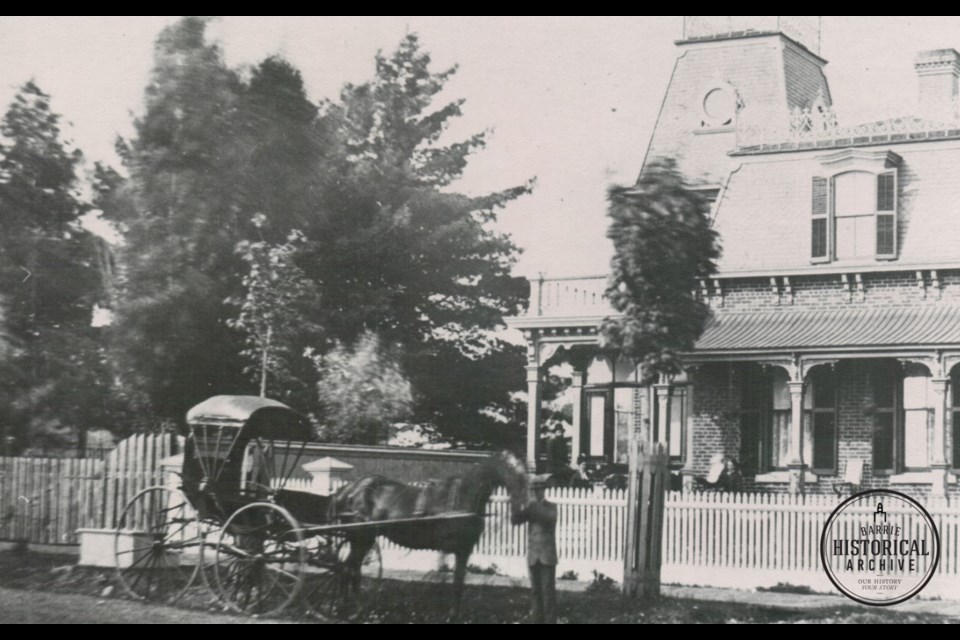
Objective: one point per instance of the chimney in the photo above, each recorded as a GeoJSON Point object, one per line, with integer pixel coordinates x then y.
{"type": "Point", "coordinates": [938, 71]}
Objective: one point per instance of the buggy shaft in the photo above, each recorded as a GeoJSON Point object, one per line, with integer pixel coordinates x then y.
{"type": "Point", "coordinates": [378, 524]}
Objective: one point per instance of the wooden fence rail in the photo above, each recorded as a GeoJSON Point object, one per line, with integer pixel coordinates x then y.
{"type": "Point", "coordinates": [45, 500]}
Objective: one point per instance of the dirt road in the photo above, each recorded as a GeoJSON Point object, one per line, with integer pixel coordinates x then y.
{"type": "Point", "coordinates": [23, 607]}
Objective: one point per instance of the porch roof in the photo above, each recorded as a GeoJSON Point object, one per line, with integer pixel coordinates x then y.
{"type": "Point", "coordinates": [879, 327]}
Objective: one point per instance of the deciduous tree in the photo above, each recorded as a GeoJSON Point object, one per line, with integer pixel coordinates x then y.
{"type": "Point", "coordinates": [663, 246]}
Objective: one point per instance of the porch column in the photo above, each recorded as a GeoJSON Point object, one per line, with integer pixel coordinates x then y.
{"type": "Point", "coordinates": [688, 473]}
{"type": "Point", "coordinates": [533, 415]}
{"type": "Point", "coordinates": [796, 464]}
{"type": "Point", "coordinates": [663, 410]}
{"type": "Point", "coordinates": [938, 457]}
{"type": "Point", "coordinates": [577, 417]}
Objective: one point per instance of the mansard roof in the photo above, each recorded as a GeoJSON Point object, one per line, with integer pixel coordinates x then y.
{"type": "Point", "coordinates": [763, 211]}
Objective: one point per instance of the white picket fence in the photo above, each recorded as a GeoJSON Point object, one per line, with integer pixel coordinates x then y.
{"type": "Point", "coordinates": [591, 525]}
{"type": "Point", "coordinates": [742, 541]}
{"type": "Point", "coordinates": [297, 484]}
{"type": "Point", "coordinates": [709, 539]}
{"type": "Point", "coordinates": [760, 540]}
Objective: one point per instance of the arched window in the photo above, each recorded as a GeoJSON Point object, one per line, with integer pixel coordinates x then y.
{"type": "Point", "coordinates": [854, 207]}
{"type": "Point", "coordinates": [855, 215]}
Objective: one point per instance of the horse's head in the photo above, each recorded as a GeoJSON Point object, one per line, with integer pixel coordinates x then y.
{"type": "Point", "coordinates": [506, 470]}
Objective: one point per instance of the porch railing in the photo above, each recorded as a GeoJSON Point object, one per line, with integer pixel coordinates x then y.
{"type": "Point", "coordinates": [568, 297]}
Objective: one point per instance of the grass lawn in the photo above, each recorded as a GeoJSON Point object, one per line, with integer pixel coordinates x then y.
{"type": "Point", "coordinates": [426, 602]}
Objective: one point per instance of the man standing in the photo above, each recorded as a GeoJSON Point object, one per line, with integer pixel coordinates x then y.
{"type": "Point", "coordinates": [541, 516]}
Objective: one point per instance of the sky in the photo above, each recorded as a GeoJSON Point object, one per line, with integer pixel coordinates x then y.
{"type": "Point", "coordinates": [570, 101]}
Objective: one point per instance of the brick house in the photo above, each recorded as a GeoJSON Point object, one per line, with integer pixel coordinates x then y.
{"type": "Point", "coordinates": [834, 341]}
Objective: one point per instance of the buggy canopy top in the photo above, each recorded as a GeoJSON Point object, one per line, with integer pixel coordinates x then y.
{"type": "Point", "coordinates": [254, 416]}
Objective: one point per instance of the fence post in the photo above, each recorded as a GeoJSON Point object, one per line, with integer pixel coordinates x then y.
{"type": "Point", "coordinates": [645, 505]}
{"type": "Point", "coordinates": [328, 474]}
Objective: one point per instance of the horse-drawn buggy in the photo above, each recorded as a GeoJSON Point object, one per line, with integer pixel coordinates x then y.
{"type": "Point", "coordinates": [234, 526]}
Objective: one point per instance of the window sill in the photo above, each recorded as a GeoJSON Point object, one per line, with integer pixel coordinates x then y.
{"type": "Point", "coordinates": [853, 263]}
{"type": "Point", "coordinates": [783, 477]}
{"type": "Point", "coordinates": [718, 129]}
{"type": "Point", "coordinates": [918, 477]}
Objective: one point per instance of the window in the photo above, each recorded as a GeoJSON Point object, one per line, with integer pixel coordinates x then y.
{"type": "Point", "coordinates": [754, 403]}
{"type": "Point", "coordinates": [955, 414]}
{"type": "Point", "coordinates": [599, 380]}
{"type": "Point", "coordinates": [608, 413]}
{"type": "Point", "coordinates": [820, 420]}
{"type": "Point", "coordinates": [597, 403]}
{"type": "Point", "coordinates": [903, 418]}
{"type": "Point", "coordinates": [719, 108]}
{"type": "Point", "coordinates": [623, 423]}
{"type": "Point", "coordinates": [766, 420]}
{"type": "Point", "coordinates": [674, 436]}
{"type": "Point", "coordinates": [854, 216]}
{"type": "Point", "coordinates": [780, 421]}
{"type": "Point", "coordinates": [917, 417]}
{"type": "Point", "coordinates": [885, 409]}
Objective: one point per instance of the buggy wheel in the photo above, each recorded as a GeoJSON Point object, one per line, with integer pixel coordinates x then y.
{"type": "Point", "coordinates": [157, 545]}
{"type": "Point", "coordinates": [259, 560]}
{"type": "Point", "coordinates": [342, 586]}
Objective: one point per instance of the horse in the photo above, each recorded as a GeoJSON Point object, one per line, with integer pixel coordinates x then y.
{"type": "Point", "coordinates": [377, 498]}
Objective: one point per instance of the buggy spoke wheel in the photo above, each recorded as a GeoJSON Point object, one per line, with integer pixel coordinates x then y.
{"type": "Point", "coordinates": [258, 560]}
{"type": "Point", "coordinates": [341, 586]}
{"type": "Point", "coordinates": [157, 546]}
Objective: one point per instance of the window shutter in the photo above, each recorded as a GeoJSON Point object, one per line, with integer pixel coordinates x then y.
{"type": "Point", "coordinates": [884, 417]}
{"type": "Point", "coordinates": [819, 231]}
{"type": "Point", "coordinates": [887, 216]}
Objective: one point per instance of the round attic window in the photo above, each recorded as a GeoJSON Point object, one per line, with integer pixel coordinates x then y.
{"type": "Point", "coordinates": [719, 107]}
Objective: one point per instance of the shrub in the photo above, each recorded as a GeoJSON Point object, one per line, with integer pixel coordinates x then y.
{"type": "Point", "coordinates": [601, 583]}
{"type": "Point", "coordinates": [786, 587]}
{"type": "Point", "coordinates": [492, 570]}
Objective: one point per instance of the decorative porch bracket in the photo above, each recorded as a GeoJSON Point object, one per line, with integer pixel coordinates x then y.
{"type": "Point", "coordinates": [543, 345]}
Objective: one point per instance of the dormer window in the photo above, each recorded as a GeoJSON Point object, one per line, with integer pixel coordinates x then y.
{"type": "Point", "coordinates": [718, 110]}
{"type": "Point", "coordinates": [854, 209]}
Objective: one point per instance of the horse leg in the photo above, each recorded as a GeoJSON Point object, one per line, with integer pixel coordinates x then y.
{"type": "Point", "coordinates": [459, 575]}
{"type": "Point", "coordinates": [359, 548]}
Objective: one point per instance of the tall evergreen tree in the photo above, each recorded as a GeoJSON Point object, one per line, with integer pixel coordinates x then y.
{"type": "Point", "coordinates": [210, 153]}
{"type": "Point", "coordinates": [52, 375]}
{"type": "Point", "coordinates": [182, 222]}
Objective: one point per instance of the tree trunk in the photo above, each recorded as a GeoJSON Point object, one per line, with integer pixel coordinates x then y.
{"type": "Point", "coordinates": [263, 364]}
